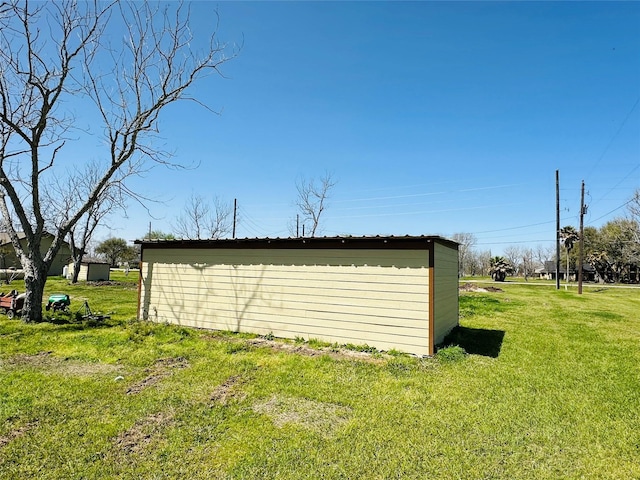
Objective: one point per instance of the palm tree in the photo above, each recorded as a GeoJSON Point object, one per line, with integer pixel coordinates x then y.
{"type": "Point", "coordinates": [568, 236]}
{"type": "Point", "coordinates": [500, 268]}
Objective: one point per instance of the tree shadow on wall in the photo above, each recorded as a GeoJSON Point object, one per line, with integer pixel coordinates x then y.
{"type": "Point", "coordinates": [476, 341]}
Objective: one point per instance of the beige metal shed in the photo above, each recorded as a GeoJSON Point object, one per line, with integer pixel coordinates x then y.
{"type": "Point", "coordinates": [91, 271]}
{"type": "Point", "coordinates": [387, 292]}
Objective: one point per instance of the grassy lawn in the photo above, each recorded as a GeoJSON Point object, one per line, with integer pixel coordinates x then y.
{"type": "Point", "coordinates": [549, 389]}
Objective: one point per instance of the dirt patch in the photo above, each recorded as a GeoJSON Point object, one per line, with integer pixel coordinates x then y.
{"type": "Point", "coordinates": [318, 416]}
{"type": "Point", "coordinates": [472, 287]}
{"type": "Point", "coordinates": [333, 352]}
{"type": "Point", "coordinates": [143, 431]}
{"type": "Point", "coordinates": [161, 369]}
{"type": "Point", "coordinates": [16, 432]}
{"type": "Point", "coordinates": [40, 359]}
{"type": "Point", "coordinates": [111, 283]}
{"type": "Point", "coordinates": [228, 391]}
{"type": "Point", "coordinates": [63, 366]}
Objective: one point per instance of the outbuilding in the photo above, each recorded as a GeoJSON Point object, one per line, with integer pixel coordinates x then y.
{"type": "Point", "coordinates": [91, 270]}
{"type": "Point", "coordinates": [9, 258]}
{"type": "Point", "coordinates": [385, 292]}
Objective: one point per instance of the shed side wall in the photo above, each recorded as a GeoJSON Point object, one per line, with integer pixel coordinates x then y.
{"type": "Point", "coordinates": [97, 271]}
{"type": "Point", "coordinates": [445, 291]}
{"type": "Point", "coordinates": [379, 298]}
{"type": "Point", "coordinates": [83, 274]}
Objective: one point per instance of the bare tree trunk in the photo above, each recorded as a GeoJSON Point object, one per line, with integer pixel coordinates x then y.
{"type": "Point", "coordinates": [77, 263]}
{"type": "Point", "coordinates": [76, 255]}
{"type": "Point", "coordinates": [35, 276]}
{"type": "Point", "coordinates": [152, 68]}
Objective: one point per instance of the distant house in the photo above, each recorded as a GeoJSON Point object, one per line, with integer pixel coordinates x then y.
{"type": "Point", "coordinates": [8, 258]}
{"type": "Point", "coordinates": [91, 270]}
{"type": "Point", "coordinates": [549, 272]}
{"type": "Point", "coordinates": [387, 292]}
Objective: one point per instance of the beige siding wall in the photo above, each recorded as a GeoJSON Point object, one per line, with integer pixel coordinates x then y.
{"type": "Point", "coordinates": [379, 298]}
{"type": "Point", "coordinates": [445, 291]}
{"type": "Point", "coordinates": [82, 274]}
{"type": "Point", "coordinates": [93, 272]}
{"type": "Point", "coordinates": [59, 261]}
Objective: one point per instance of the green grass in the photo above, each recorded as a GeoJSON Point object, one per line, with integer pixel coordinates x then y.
{"type": "Point", "coordinates": [537, 383]}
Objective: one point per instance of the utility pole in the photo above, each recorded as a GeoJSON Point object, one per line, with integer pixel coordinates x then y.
{"type": "Point", "coordinates": [297, 225]}
{"type": "Point", "coordinates": [235, 209]}
{"type": "Point", "coordinates": [583, 210]}
{"type": "Point", "coordinates": [558, 231]}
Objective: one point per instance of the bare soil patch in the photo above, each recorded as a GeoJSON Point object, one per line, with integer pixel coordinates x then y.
{"type": "Point", "coordinates": [143, 431]}
{"type": "Point", "coordinates": [229, 390]}
{"type": "Point", "coordinates": [47, 361]}
{"type": "Point", "coordinates": [161, 369]}
{"type": "Point", "coordinates": [16, 432]}
{"type": "Point", "coordinates": [333, 352]}
{"type": "Point", "coordinates": [111, 283]}
{"type": "Point", "coordinates": [472, 287]}
{"type": "Point", "coordinates": [321, 417]}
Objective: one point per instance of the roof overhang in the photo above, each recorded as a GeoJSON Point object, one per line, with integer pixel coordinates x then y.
{"type": "Point", "coordinates": [408, 242]}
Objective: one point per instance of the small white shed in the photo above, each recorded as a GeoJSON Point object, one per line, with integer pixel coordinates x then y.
{"type": "Point", "coordinates": [387, 292]}
{"type": "Point", "coordinates": [91, 270]}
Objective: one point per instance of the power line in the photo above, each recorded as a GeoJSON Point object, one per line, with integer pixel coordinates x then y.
{"type": "Point", "coordinates": [515, 228]}
{"type": "Point", "coordinates": [422, 212]}
{"type": "Point", "coordinates": [615, 135]}
{"type": "Point", "coordinates": [618, 184]}
{"type": "Point", "coordinates": [426, 194]}
{"type": "Point", "coordinates": [609, 213]}
{"type": "Point", "coordinates": [519, 242]}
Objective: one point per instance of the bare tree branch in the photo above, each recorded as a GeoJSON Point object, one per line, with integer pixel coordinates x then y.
{"type": "Point", "coordinates": [53, 54]}
{"type": "Point", "coordinates": [200, 221]}
{"type": "Point", "coordinates": [312, 198]}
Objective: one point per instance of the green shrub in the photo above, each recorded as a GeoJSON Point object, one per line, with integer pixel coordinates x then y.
{"type": "Point", "coordinates": [450, 354]}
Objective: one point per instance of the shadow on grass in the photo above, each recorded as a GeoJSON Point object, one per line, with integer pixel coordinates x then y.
{"type": "Point", "coordinates": [476, 341]}
{"type": "Point", "coordinates": [73, 322]}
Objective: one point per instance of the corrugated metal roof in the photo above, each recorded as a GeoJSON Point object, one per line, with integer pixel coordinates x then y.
{"type": "Point", "coordinates": [374, 242]}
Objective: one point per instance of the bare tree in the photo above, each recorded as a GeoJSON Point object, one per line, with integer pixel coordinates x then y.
{"type": "Point", "coordinates": [56, 58]}
{"type": "Point", "coordinates": [312, 199]}
{"type": "Point", "coordinates": [528, 265]}
{"type": "Point", "coordinates": [483, 261]}
{"type": "Point", "coordinates": [544, 254]}
{"type": "Point", "coordinates": [199, 220]}
{"type": "Point", "coordinates": [513, 254]}
{"type": "Point", "coordinates": [65, 195]}
{"type": "Point", "coordinates": [466, 242]}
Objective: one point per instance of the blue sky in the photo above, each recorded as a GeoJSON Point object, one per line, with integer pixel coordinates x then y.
{"type": "Point", "coordinates": [433, 117]}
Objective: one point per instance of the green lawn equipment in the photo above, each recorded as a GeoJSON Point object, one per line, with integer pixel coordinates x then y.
{"type": "Point", "coordinates": [58, 302]}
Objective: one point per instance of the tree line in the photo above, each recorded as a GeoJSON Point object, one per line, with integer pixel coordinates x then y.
{"type": "Point", "coordinates": [612, 250]}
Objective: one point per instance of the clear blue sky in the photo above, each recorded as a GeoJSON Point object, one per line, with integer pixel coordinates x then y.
{"type": "Point", "coordinates": [434, 117]}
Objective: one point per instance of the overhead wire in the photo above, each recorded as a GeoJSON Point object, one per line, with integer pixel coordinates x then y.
{"type": "Point", "coordinates": [610, 212]}
{"type": "Point", "coordinates": [425, 194]}
{"type": "Point", "coordinates": [613, 138]}
{"type": "Point", "coordinates": [259, 227]}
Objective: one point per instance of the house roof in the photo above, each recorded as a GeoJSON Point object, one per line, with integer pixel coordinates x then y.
{"type": "Point", "coordinates": [550, 267]}
{"type": "Point", "coordinates": [6, 239]}
{"type": "Point", "coordinates": [92, 261]}
{"type": "Point", "coordinates": [407, 242]}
